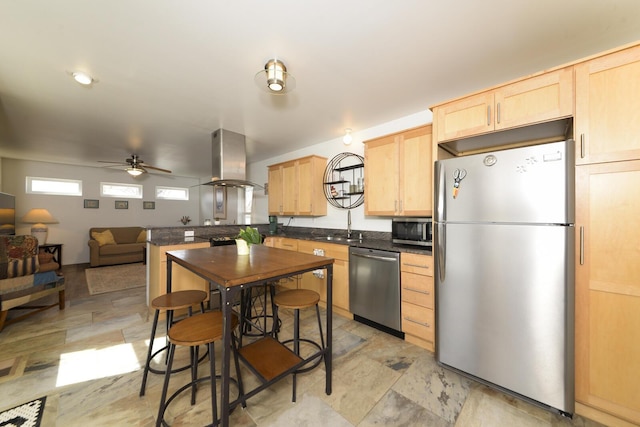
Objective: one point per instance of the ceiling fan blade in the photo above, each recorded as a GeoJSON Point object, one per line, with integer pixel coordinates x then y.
{"type": "Point", "coordinates": [115, 163]}
{"type": "Point", "coordinates": [144, 165]}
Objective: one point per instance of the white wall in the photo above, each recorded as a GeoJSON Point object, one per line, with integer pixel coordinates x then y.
{"type": "Point", "coordinates": [74, 221]}
{"type": "Point", "coordinates": [335, 218]}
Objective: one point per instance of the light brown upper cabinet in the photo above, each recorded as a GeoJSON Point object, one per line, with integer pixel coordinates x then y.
{"type": "Point", "coordinates": [398, 174]}
{"type": "Point", "coordinates": [607, 122]}
{"type": "Point", "coordinates": [295, 187]}
{"type": "Point", "coordinates": [535, 99]}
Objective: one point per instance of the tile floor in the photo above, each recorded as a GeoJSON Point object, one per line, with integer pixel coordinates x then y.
{"type": "Point", "coordinates": [87, 361]}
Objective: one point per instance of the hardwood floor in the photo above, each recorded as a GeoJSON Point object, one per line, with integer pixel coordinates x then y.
{"type": "Point", "coordinates": [87, 360]}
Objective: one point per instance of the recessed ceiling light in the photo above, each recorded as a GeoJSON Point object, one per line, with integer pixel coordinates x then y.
{"type": "Point", "coordinates": [82, 78]}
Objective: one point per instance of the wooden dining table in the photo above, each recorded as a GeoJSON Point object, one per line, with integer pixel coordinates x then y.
{"type": "Point", "coordinates": [232, 274]}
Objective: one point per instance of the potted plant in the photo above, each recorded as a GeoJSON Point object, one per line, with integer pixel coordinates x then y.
{"type": "Point", "coordinates": [246, 238]}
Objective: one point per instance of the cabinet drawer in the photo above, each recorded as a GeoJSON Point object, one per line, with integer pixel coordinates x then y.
{"type": "Point", "coordinates": [415, 263]}
{"type": "Point", "coordinates": [331, 250]}
{"type": "Point", "coordinates": [418, 321]}
{"type": "Point", "coordinates": [417, 289]}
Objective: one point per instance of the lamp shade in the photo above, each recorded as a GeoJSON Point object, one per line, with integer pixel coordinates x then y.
{"type": "Point", "coordinates": [39, 217]}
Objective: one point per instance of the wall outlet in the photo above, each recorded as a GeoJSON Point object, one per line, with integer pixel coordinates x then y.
{"type": "Point", "coordinates": [189, 233]}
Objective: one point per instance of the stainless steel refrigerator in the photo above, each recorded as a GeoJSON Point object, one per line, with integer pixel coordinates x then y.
{"type": "Point", "coordinates": [504, 262]}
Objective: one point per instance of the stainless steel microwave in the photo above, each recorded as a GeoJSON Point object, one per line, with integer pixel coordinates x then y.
{"type": "Point", "coordinates": [412, 231]}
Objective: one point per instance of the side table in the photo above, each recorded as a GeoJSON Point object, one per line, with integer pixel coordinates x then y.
{"type": "Point", "coordinates": [55, 249]}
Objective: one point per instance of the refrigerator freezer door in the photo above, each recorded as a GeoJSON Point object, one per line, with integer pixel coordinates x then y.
{"type": "Point", "coordinates": [522, 185]}
{"type": "Point", "coordinates": [504, 309]}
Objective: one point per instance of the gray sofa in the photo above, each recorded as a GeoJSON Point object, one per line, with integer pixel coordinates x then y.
{"type": "Point", "coordinates": [128, 246]}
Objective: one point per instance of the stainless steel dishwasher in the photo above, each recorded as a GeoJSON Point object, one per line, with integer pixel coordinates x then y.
{"type": "Point", "coordinates": [374, 288]}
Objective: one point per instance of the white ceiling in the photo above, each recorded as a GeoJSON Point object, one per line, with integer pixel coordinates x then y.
{"type": "Point", "coordinates": [172, 71]}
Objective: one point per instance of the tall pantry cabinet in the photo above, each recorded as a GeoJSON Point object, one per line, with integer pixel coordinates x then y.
{"type": "Point", "coordinates": [607, 132]}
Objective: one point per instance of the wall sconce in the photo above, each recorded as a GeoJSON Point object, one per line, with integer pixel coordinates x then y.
{"type": "Point", "coordinates": [279, 80]}
{"type": "Point", "coordinates": [39, 217]}
{"type": "Point", "coordinates": [347, 138]}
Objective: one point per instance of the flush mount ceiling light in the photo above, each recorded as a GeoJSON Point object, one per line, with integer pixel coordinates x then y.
{"type": "Point", "coordinates": [275, 78]}
{"type": "Point", "coordinates": [347, 138]}
{"type": "Point", "coordinates": [135, 171]}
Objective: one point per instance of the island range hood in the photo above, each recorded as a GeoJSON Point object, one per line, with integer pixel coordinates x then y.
{"type": "Point", "coordinates": [229, 160]}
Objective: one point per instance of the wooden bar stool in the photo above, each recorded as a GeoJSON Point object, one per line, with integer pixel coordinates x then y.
{"type": "Point", "coordinates": [169, 302]}
{"type": "Point", "coordinates": [201, 329]}
{"type": "Point", "coordinates": [297, 299]}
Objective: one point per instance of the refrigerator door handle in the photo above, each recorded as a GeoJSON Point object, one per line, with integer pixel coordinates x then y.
{"type": "Point", "coordinates": [440, 192]}
{"type": "Point", "coordinates": [441, 251]}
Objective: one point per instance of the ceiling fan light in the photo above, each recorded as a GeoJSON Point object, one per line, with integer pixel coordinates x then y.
{"type": "Point", "coordinates": [134, 171]}
{"type": "Point", "coordinates": [276, 75]}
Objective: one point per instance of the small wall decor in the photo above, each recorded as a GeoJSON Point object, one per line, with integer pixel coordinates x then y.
{"type": "Point", "coordinates": [91, 204]}
{"type": "Point", "coordinates": [148, 205]}
{"type": "Point", "coordinates": [220, 202]}
{"type": "Point", "coordinates": [122, 204]}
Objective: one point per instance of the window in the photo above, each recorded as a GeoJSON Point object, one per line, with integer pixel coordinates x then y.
{"type": "Point", "coordinates": [114, 189]}
{"type": "Point", "coordinates": [55, 186]}
{"type": "Point", "coordinates": [172, 193]}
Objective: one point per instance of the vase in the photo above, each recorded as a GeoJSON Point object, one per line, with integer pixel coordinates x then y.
{"type": "Point", "coordinates": [242, 246]}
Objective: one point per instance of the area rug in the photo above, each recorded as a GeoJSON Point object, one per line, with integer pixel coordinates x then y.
{"type": "Point", "coordinates": [115, 278]}
{"type": "Point", "coordinates": [25, 415]}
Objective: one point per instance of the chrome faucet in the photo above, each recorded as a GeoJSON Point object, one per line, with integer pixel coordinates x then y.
{"type": "Point", "coordinates": [349, 224]}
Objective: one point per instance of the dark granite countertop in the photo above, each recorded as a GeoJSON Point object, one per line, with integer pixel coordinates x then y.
{"type": "Point", "coordinates": [370, 239]}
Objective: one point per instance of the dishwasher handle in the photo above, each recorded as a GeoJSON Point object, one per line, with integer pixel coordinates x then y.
{"type": "Point", "coordinates": [376, 257]}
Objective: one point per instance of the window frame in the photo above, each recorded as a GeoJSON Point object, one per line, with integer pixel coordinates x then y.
{"type": "Point", "coordinates": [29, 181]}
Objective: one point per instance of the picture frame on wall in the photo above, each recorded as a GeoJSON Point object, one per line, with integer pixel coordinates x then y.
{"type": "Point", "coordinates": [91, 204]}
{"type": "Point", "coordinates": [122, 204]}
{"type": "Point", "coordinates": [220, 202]}
{"type": "Point", "coordinates": [148, 205]}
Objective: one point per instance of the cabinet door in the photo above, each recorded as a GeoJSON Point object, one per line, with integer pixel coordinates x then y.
{"type": "Point", "coordinates": [469, 116]}
{"type": "Point", "coordinates": [608, 288]}
{"type": "Point", "coordinates": [607, 119]}
{"type": "Point", "coordinates": [275, 191]}
{"type": "Point", "coordinates": [536, 99]}
{"type": "Point", "coordinates": [415, 169]}
{"type": "Point", "coordinates": [289, 189]}
{"type": "Point", "coordinates": [381, 177]}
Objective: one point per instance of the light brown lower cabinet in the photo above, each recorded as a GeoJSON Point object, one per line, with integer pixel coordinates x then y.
{"type": "Point", "coordinates": [608, 292]}
{"type": "Point", "coordinates": [417, 307]}
{"type": "Point", "coordinates": [181, 279]}
{"type": "Point", "coordinates": [340, 274]}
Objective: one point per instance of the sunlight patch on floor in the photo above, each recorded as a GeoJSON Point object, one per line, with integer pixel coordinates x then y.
{"type": "Point", "coordinates": [92, 364]}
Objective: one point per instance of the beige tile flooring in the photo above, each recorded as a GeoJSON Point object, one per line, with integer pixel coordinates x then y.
{"type": "Point", "coordinates": [87, 360]}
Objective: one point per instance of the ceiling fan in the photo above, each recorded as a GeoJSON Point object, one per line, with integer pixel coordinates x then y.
{"type": "Point", "coordinates": [136, 166]}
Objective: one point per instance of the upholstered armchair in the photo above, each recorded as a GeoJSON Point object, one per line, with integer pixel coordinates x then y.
{"type": "Point", "coordinates": [26, 276]}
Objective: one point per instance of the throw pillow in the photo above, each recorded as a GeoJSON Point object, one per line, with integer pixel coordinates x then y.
{"type": "Point", "coordinates": [142, 237]}
{"type": "Point", "coordinates": [103, 238]}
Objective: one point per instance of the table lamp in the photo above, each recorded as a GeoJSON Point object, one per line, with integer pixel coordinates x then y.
{"type": "Point", "coordinates": [39, 217]}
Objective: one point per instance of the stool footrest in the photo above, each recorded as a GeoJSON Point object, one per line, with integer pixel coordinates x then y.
{"type": "Point", "coordinates": [268, 358]}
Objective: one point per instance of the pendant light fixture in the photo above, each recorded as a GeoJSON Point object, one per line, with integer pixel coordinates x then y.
{"type": "Point", "coordinates": [274, 78]}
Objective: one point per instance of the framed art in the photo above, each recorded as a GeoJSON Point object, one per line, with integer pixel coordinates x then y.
{"type": "Point", "coordinates": [148, 205]}
{"type": "Point", "coordinates": [122, 204]}
{"type": "Point", "coordinates": [91, 204]}
{"type": "Point", "coordinates": [220, 202]}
